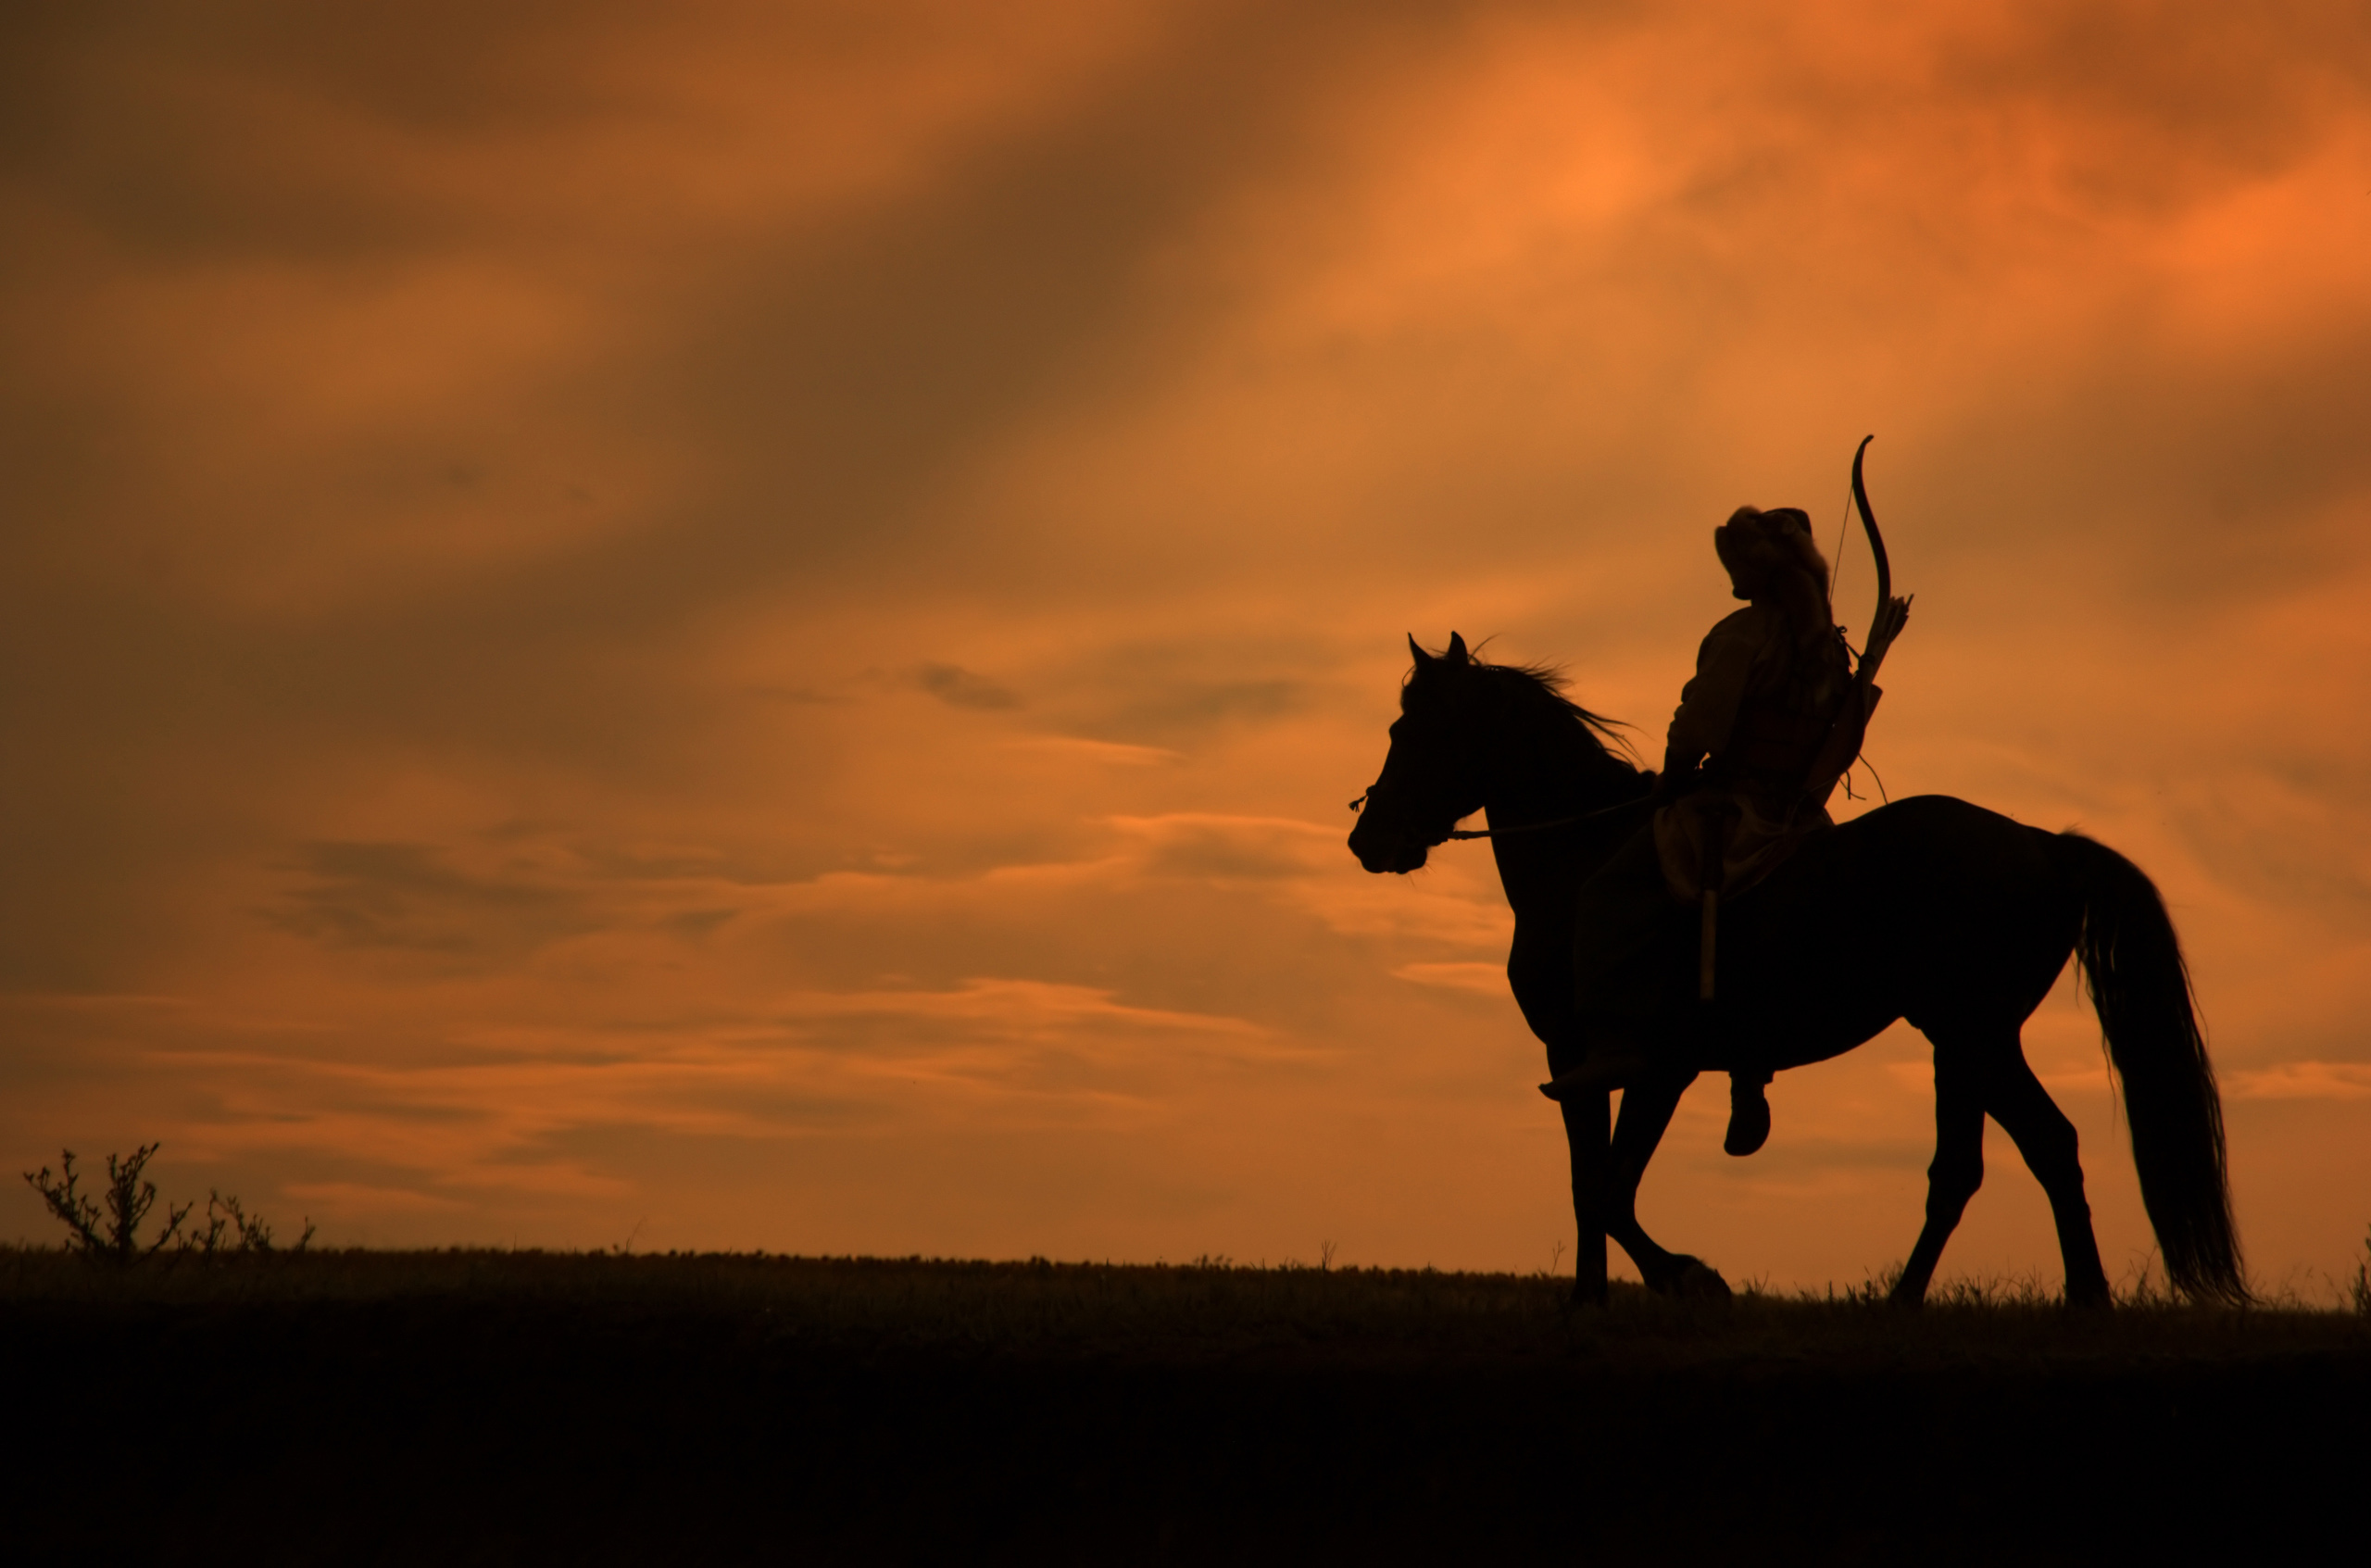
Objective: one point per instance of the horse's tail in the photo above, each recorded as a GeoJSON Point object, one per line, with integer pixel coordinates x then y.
{"type": "Point", "coordinates": [2139, 986]}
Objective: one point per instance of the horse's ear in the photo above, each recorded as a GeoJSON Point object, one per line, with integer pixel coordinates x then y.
{"type": "Point", "coordinates": [1417, 649]}
{"type": "Point", "coordinates": [1457, 654]}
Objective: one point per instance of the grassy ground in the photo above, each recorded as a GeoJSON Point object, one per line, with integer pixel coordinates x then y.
{"type": "Point", "coordinates": [499, 1407]}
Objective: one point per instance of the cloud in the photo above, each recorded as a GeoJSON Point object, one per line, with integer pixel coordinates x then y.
{"type": "Point", "coordinates": [347, 1200]}
{"type": "Point", "coordinates": [1488, 978]}
{"type": "Point", "coordinates": [398, 896]}
{"type": "Point", "coordinates": [1112, 753]}
{"type": "Point", "coordinates": [958, 687]}
{"type": "Point", "coordinates": [1000, 1009]}
{"type": "Point", "coordinates": [2302, 1080]}
{"type": "Point", "coordinates": [1208, 845]}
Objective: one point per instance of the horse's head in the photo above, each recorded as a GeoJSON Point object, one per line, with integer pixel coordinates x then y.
{"type": "Point", "coordinates": [1431, 775]}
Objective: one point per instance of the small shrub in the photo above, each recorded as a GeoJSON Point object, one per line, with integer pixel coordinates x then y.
{"type": "Point", "coordinates": [114, 1233]}
{"type": "Point", "coordinates": [230, 1228]}
{"type": "Point", "coordinates": [129, 1199]}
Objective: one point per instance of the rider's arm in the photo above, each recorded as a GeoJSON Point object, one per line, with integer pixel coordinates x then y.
{"type": "Point", "coordinates": [1708, 704]}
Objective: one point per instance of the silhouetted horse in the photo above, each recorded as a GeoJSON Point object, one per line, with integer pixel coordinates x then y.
{"type": "Point", "coordinates": [1930, 909]}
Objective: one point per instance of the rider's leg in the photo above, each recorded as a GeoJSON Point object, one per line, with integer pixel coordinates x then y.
{"type": "Point", "coordinates": [1749, 1113]}
{"type": "Point", "coordinates": [1623, 938]}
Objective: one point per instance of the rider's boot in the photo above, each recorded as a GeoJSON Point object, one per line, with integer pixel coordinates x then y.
{"type": "Point", "coordinates": [1615, 1064]}
{"type": "Point", "coordinates": [1748, 1114]}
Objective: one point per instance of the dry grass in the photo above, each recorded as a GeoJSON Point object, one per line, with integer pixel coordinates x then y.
{"type": "Point", "coordinates": [2359, 1288]}
{"type": "Point", "coordinates": [1211, 1308]}
{"type": "Point", "coordinates": [513, 1406]}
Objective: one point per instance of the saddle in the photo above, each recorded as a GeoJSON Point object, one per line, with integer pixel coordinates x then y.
{"type": "Point", "coordinates": [1722, 840]}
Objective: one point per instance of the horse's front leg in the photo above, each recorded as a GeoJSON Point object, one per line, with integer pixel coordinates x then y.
{"type": "Point", "coordinates": [1646, 1108]}
{"type": "Point", "coordinates": [1588, 1121]}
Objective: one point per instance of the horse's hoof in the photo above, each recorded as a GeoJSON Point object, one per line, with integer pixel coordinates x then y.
{"type": "Point", "coordinates": [1701, 1282]}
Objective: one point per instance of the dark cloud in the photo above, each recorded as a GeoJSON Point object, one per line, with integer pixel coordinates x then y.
{"type": "Point", "coordinates": [959, 688]}
{"type": "Point", "coordinates": [696, 923]}
{"type": "Point", "coordinates": [401, 897]}
{"type": "Point", "coordinates": [2147, 104]}
{"type": "Point", "coordinates": [1188, 709]}
{"type": "Point", "coordinates": [1177, 693]}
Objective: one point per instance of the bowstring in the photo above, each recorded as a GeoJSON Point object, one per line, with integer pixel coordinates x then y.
{"type": "Point", "coordinates": [1835, 578]}
{"type": "Point", "coordinates": [1836, 572]}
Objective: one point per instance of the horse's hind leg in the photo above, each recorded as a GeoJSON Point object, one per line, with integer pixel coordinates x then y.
{"type": "Point", "coordinates": [1957, 1171]}
{"type": "Point", "coordinates": [2046, 1138]}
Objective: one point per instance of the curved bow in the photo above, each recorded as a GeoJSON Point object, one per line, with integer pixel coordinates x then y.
{"type": "Point", "coordinates": [1851, 724]}
{"type": "Point", "coordinates": [1891, 613]}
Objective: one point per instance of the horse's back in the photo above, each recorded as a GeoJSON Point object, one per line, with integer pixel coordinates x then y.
{"type": "Point", "coordinates": [1961, 880]}
{"type": "Point", "coordinates": [1930, 908]}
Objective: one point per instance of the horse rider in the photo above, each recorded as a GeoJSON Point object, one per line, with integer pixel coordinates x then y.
{"type": "Point", "coordinates": [1736, 797]}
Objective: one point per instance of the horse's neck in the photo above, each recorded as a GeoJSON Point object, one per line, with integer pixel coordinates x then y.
{"type": "Point", "coordinates": [1543, 777]}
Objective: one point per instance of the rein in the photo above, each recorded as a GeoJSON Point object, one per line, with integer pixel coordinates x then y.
{"type": "Point", "coordinates": [1557, 823]}
{"type": "Point", "coordinates": [1525, 827]}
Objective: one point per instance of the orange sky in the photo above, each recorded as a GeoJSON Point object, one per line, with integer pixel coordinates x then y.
{"type": "Point", "coordinates": [748, 626]}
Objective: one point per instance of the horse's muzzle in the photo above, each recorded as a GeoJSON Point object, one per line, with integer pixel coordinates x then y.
{"type": "Point", "coordinates": [1398, 853]}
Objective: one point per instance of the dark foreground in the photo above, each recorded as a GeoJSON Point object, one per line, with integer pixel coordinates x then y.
{"type": "Point", "coordinates": [518, 1407]}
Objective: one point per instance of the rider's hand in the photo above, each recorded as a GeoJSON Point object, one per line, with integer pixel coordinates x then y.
{"type": "Point", "coordinates": [1680, 775]}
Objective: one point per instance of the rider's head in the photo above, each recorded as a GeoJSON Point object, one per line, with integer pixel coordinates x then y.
{"type": "Point", "coordinates": [1771, 555]}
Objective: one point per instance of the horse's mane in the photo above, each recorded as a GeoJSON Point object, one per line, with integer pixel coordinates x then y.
{"type": "Point", "coordinates": [1546, 683]}
{"type": "Point", "coordinates": [1551, 682]}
